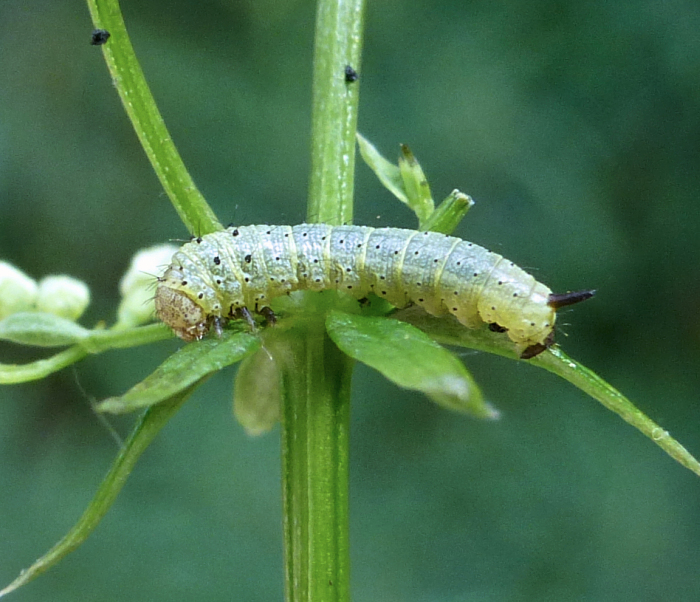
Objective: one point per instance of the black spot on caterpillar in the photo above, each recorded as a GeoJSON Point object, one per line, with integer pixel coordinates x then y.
{"type": "Point", "coordinates": [350, 74]}
{"type": "Point", "coordinates": [223, 274]}
{"type": "Point", "coordinates": [99, 37]}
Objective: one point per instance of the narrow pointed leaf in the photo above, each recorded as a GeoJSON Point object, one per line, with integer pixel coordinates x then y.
{"type": "Point", "coordinates": [449, 213]}
{"type": "Point", "coordinates": [388, 173]}
{"type": "Point", "coordinates": [256, 392]}
{"type": "Point", "coordinates": [415, 184]}
{"type": "Point", "coordinates": [556, 361]}
{"type": "Point", "coordinates": [448, 331]}
{"type": "Point", "coordinates": [182, 369]}
{"type": "Point", "coordinates": [41, 330]}
{"type": "Point", "coordinates": [409, 358]}
{"type": "Point", "coordinates": [145, 431]}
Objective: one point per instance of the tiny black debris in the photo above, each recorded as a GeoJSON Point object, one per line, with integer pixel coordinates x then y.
{"type": "Point", "coordinates": [99, 37]}
{"type": "Point", "coordinates": [350, 74]}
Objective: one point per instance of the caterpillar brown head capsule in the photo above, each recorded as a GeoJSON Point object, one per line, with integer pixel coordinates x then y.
{"type": "Point", "coordinates": [221, 275]}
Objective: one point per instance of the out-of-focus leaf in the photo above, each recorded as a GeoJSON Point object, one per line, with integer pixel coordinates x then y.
{"type": "Point", "coordinates": [410, 359]}
{"type": "Point", "coordinates": [182, 369]}
{"type": "Point", "coordinates": [256, 393]}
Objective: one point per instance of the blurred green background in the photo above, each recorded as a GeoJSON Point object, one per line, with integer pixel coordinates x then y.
{"type": "Point", "coordinates": [575, 127]}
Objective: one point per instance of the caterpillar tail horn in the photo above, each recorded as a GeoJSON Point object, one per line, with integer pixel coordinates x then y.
{"type": "Point", "coordinates": [563, 299]}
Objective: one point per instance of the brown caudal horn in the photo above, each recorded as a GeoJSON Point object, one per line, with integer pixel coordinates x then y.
{"type": "Point", "coordinates": [563, 299]}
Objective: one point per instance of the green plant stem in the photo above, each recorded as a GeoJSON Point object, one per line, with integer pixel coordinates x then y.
{"type": "Point", "coordinates": [123, 338]}
{"type": "Point", "coordinates": [315, 431]}
{"type": "Point", "coordinates": [315, 375]}
{"type": "Point", "coordinates": [11, 374]}
{"type": "Point", "coordinates": [339, 25]}
{"type": "Point", "coordinates": [147, 121]}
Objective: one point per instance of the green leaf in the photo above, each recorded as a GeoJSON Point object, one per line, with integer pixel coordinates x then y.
{"type": "Point", "coordinates": [449, 213]}
{"type": "Point", "coordinates": [416, 185]}
{"type": "Point", "coordinates": [145, 431]}
{"type": "Point", "coordinates": [256, 392]}
{"type": "Point", "coordinates": [557, 362]}
{"type": "Point", "coordinates": [448, 331]}
{"type": "Point", "coordinates": [409, 358]}
{"type": "Point", "coordinates": [388, 173]}
{"type": "Point", "coordinates": [182, 369]}
{"type": "Point", "coordinates": [41, 330]}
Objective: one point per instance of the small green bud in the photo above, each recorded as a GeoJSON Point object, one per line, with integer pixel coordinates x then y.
{"type": "Point", "coordinates": [137, 286]}
{"type": "Point", "coordinates": [17, 290]}
{"type": "Point", "coordinates": [63, 296]}
{"type": "Point", "coordinates": [449, 213]}
{"type": "Point", "coordinates": [415, 184]}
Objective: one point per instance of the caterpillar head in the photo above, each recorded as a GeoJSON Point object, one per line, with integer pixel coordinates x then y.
{"type": "Point", "coordinates": [187, 319]}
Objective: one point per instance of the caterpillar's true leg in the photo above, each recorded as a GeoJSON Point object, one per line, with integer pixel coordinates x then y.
{"type": "Point", "coordinates": [217, 324]}
{"type": "Point", "coordinates": [269, 315]}
{"type": "Point", "coordinates": [537, 348]}
{"type": "Point", "coordinates": [242, 313]}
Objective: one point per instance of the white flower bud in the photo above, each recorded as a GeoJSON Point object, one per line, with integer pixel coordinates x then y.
{"type": "Point", "coordinates": [17, 290]}
{"type": "Point", "coordinates": [63, 296]}
{"type": "Point", "coordinates": [137, 286]}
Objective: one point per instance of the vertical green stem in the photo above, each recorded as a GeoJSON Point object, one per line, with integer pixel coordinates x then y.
{"type": "Point", "coordinates": [339, 25]}
{"type": "Point", "coordinates": [316, 409]}
{"type": "Point", "coordinates": [315, 374]}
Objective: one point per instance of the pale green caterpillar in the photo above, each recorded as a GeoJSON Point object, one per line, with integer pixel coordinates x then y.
{"type": "Point", "coordinates": [222, 275]}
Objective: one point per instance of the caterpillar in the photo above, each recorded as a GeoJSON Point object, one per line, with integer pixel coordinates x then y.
{"type": "Point", "coordinates": [222, 275]}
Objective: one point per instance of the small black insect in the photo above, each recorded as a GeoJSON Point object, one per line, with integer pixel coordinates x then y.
{"type": "Point", "coordinates": [350, 74]}
{"type": "Point", "coordinates": [99, 37]}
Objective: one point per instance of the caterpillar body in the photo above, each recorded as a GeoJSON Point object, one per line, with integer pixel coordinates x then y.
{"type": "Point", "coordinates": [221, 275]}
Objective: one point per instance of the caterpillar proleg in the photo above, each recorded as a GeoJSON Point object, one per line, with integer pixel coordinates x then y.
{"type": "Point", "coordinates": [221, 275]}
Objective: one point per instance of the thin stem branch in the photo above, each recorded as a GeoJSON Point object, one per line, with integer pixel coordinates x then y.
{"type": "Point", "coordinates": [147, 121]}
